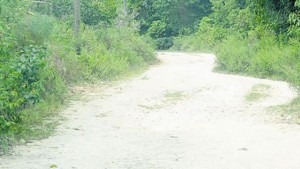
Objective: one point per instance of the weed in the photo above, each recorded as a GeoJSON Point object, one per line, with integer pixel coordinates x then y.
{"type": "Point", "coordinates": [169, 98]}
{"type": "Point", "coordinates": [257, 93]}
{"type": "Point", "coordinates": [290, 111]}
{"type": "Point", "coordinates": [174, 96]}
{"type": "Point", "coordinates": [150, 108]}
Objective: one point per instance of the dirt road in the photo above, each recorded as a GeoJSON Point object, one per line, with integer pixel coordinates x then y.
{"type": "Point", "coordinates": [177, 115]}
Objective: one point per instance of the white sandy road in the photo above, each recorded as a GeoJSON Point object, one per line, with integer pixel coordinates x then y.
{"type": "Point", "coordinates": [177, 115]}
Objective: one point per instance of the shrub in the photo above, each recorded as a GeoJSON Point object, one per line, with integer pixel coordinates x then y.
{"type": "Point", "coordinates": [34, 29]}
{"type": "Point", "coordinates": [33, 73]}
{"type": "Point", "coordinates": [22, 85]}
{"type": "Point", "coordinates": [157, 29]}
{"type": "Point", "coordinates": [20, 81]}
{"type": "Point", "coordinates": [264, 57]}
{"type": "Point", "coordinates": [234, 54]}
{"type": "Point", "coordinates": [164, 43]}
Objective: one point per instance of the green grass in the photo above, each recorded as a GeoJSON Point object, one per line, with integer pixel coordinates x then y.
{"type": "Point", "coordinates": [257, 93]}
{"type": "Point", "coordinates": [169, 98]}
{"type": "Point", "coordinates": [289, 111]}
{"type": "Point", "coordinates": [150, 107]}
{"type": "Point", "coordinates": [37, 122]}
{"type": "Point", "coordinates": [174, 96]}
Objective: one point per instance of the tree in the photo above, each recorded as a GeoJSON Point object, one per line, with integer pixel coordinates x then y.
{"type": "Point", "coordinates": [77, 25]}
{"type": "Point", "coordinates": [164, 19]}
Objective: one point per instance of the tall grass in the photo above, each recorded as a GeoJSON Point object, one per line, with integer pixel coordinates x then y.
{"type": "Point", "coordinates": [266, 58]}
{"type": "Point", "coordinates": [106, 53]}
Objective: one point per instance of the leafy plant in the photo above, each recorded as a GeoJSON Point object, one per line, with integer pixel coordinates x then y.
{"type": "Point", "coordinates": [34, 29]}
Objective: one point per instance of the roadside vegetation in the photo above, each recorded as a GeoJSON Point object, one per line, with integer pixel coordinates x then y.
{"type": "Point", "coordinates": [163, 20]}
{"type": "Point", "coordinates": [253, 37]}
{"type": "Point", "coordinates": [257, 93]}
{"type": "Point", "coordinates": [290, 112]}
{"type": "Point", "coordinates": [38, 60]}
{"type": "Point", "coordinates": [41, 56]}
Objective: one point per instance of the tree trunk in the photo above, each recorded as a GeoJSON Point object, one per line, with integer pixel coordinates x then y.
{"type": "Point", "coordinates": [125, 7]}
{"type": "Point", "coordinates": [77, 26]}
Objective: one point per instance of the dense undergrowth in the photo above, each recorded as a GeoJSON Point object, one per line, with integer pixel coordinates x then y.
{"type": "Point", "coordinates": [258, 38]}
{"type": "Point", "coordinates": [38, 62]}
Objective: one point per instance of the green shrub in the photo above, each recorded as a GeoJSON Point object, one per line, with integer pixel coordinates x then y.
{"type": "Point", "coordinates": [208, 37]}
{"type": "Point", "coordinates": [289, 64]}
{"type": "Point", "coordinates": [106, 52]}
{"type": "Point", "coordinates": [34, 73]}
{"type": "Point", "coordinates": [157, 29]}
{"type": "Point", "coordinates": [164, 43]}
{"type": "Point", "coordinates": [264, 57]}
{"type": "Point", "coordinates": [110, 52]}
{"type": "Point", "coordinates": [20, 82]}
{"type": "Point", "coordinates": [187, 43]}
{"type": "Point", "coordinates": [234, 55]}
{"type": "Point", "coordinates": [34, 29]}
{"type": "Point", "coordinates": [25, 80]}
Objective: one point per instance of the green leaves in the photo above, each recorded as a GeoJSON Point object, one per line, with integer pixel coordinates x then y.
{"type": "Point", "coordinates": [94, 12]}
{"type": "Point", "coordinates": [20, 83]}
{"type": "Point", "coordinates": [163, 19]}
{"type": "Point", "coordinates": [157, 29]}
{"type": "Point", "coordinates": [34, 30]}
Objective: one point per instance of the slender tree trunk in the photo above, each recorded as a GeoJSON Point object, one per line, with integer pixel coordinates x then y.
{"type": "Point", "coordinates": [125, 7]}
{"type": "Point", "coordinates": [77, 26]}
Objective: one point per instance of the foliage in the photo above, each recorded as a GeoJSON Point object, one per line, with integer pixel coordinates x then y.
{"type": "Point", "coordinates": [260, 38]}
{"type": "Point", "coordinates": [34, 29]}
{"type": "Point", "coordinates": [290, 111]}
{"type": "Point", "coordinates": [265, 51]}
{"type": "Point", "coordinates": [157, 29]}
{"type": "Point", "coordinates": [38, 60]}
{"type": "Point", "coordinates": [93, 12]}
{"type": "Point", "coordinates": [164, 43]}
{"type": "Point", "coordinates": [166, 19]}
{"type": "Point", "coordinates": [253, 37]}
{"type": "Point", "coordinates": [21, 85]}
{"type": "Point", "coordinates": [106, 53]}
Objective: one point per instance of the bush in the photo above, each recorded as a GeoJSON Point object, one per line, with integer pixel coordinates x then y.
{"type": "Point", "coordinates": [184, 43]}
{"type": "Point", "coordinates": [157, 29]}
{"type": "Point", "coordinates": [25, 81]}
{"type": "Point", "coordinates": [265, 57]}
{"type": "Point", "coordinates": [110, 52]}
{"type": "Point", "coordinates": [20, 83]}
{"type": "Point", "coordinates": [34, 29]}
{"type": "Point", "coordinates": [233, 58]}
{"type": "Point", "coordinates": [164, 43]}
{"type": "Point", "coordinates": [208, 37]}
{"type": "Point", "coordinates": [34, 73]}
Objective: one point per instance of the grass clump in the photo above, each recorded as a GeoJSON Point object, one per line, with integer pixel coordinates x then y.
{"type": "Point", "coordinates": [174, 96]}
{"type": "Point", "coordinates": [169, 98]}
{"type": "Point", "coordinates": [290, 111]}
{"type": "Point", "coordinates": [257, 93]}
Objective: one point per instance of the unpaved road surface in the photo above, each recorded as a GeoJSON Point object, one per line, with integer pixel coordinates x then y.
{"type": "Point", "coordinates": [177, 115]}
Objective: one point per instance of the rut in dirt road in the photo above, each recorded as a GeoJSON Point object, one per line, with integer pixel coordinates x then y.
{"type": "Point", "coordinates": [177, 115]}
